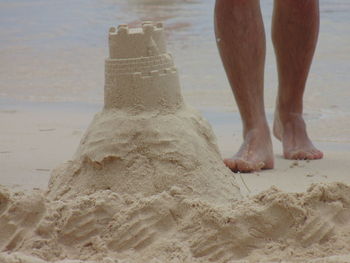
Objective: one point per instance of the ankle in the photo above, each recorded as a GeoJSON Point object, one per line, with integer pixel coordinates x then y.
{"type": "Point", "coordinates": [288, 122]}
{"type": "Point", "coordinates": [258, 129]}
{"type": "Point", "coordinates": [289, 109]}
{"type": "Point", "coordinates": [284, 116]}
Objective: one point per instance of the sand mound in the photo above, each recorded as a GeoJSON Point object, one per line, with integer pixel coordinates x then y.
{"type": "Point", "coordinates": [168, 227]}
{"type": "Point", "coordinates": [147, 154]}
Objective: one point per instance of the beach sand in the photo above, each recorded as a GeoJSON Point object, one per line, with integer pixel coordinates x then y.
{"type": "Point", "coordinates": [52, 134]}
{"type": "Point", "coordinates": [287, 214]}
{"type": "Point", "coordinates": [297, 212]}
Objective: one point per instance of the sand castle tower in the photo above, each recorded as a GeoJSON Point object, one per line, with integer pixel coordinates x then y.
{"type": "Point", "coordinates": [145, 140]}
{"type": "Point", "coordinates": [139, 74]}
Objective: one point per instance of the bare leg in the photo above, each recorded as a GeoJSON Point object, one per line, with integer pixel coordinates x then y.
{"type": "Point", "coordinates": [294, 34]}
{"type": "Point", "coordinates": [240, 37]}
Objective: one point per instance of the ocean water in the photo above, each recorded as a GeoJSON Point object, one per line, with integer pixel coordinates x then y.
{"type": "Point", "coordinates": [54, 51]}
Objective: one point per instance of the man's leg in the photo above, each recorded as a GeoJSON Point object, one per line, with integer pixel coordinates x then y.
{"type": "Point", "coordinates": [294, 34]}
{"type": "Point", "coordinates": [240, 38]}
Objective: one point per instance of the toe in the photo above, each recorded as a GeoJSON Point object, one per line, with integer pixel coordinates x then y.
{"type": "Point", "coordinates": [231, 164]}
{"type": "Point", "coordinates": [311, 156]}
{"type": "Point", "coordinates": [260, 165]}
{"type": "Point", "coordinates": [317, 154]}
{"type": "Point", "coordinates": [304, 154]}
{"type": "Point", "coordinates": [294, 155]}
{"type": "Point", "coordinates": [239, 165]}
{"type": "Point", "coordinates": [244, 166]}
{"type": "Point", "coordinates": [248, 167]}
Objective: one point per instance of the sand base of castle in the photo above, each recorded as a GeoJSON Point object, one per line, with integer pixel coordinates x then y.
{"type": "Point", "coordinates": [145, 154]}
{"type": "Point", "coordinates": [109, 227]}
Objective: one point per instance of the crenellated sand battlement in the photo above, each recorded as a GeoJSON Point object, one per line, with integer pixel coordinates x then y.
{"type": "Point", "coordinates": [143, 64]}
{"type": "Point", "coordinates": [146, 41]}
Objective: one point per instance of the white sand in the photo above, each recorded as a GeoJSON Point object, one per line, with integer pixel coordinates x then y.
{"type": "Point", "coordinates": [148, 185]}
{"type": "Point", "coordinates": [146, 154]}
{"type": "Point", "coordinates": [170, 227]}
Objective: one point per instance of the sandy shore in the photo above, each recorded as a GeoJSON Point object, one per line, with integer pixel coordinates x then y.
{"type": "Point", "coordinates": [286, 213]}
{"type": "Point", "coordinates": [36, 137]}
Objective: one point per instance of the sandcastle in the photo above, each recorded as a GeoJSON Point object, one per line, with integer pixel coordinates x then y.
{"type": "Point", "coordinates": [145, 140]}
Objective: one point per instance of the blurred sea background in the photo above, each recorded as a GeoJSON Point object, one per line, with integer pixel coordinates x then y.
{"type": "Point", "coordinates": [54, 51]}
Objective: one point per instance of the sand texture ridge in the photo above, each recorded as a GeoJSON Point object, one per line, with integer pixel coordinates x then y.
{"type": "Point", "coordinates": [147, 184]}
{"type": "Point", "coordinates": [106, 226]}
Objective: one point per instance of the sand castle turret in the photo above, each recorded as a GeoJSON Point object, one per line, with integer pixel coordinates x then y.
{"type": "Point", "coordinates": [145, 140]}
{"type": "Point", "coordinates": [148, 41]}
{"type": "Point", "coordinates": [139, 73]}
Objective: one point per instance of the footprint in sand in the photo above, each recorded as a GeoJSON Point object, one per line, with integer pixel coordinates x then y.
{"type": "Point", "coordinates": [217, 242]}
{"type": "Point", "coordinates": [216, 238]}
{"type": "Point", "coordinates": [323, 224]}
{"type": "Point", "coordinates": [83, 224]}
{"type": "Point", "coordinates": [316, 230]}
{"type": "Point", "coordinates": [141, 226]}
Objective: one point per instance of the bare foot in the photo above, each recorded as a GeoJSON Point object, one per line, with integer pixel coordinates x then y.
{"type": "Point", "coordinates": [296, 143]}
{"type": "Point", "coordinates": [255, 153]}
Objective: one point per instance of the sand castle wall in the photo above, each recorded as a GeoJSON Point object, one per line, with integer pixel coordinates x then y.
{"type": "Point", "coordinates": [142, 84]}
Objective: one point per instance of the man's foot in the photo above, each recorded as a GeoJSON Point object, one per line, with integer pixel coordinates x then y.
{"type": "Point", "coordinates": [295, 141]}
{"type": "Point", "coordinates": [255, 153]}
